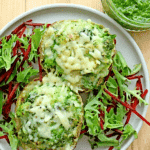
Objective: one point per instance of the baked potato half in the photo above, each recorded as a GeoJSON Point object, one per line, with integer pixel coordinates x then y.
{"type": "Point", "coordinates": [79, 51]}
{"type": "Point", "coordinates": [48, 117]}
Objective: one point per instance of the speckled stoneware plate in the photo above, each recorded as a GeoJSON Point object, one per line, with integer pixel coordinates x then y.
{"type": "Point", "coordinates": [125, 44]}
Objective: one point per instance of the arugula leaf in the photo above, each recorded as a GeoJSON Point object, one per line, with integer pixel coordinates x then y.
{"type": "Point", "coordinates": [136, 69]}
{"type": "Point", "coordinates": [121, 80]}
{"type": "Point", "coordinates": [12, 76]}
{"type": "Point", "coordinates": [95, 144]}
{"type": "Point", "coordinates": [87, 83]}
{"type": "Point", "coordinates": [135, 93]}
{"type": "Point", "coordinates": [24, 41]}
{"type": "Point", "coordinates": [121, 112]}
{"type": "Point", "coordinates": [35, 42]}
{"type": "Point", "coordinates": [13, 141]}
{"type": "Point", "coordinates": [111, 82]}
{"type": "Point", "coordinates": [104, 138]}
{"type": "Point", "coordinates": [92, 118]}
{"type": "Point", "coordinates": [25, 75]}
{"type": "Point", "coordinates": [5, 52]}
{"type": "Point", "coordinates": [115, 120]}
{"type": "Point", "coordinates": [121, 65]}
{"type": "Point", "coordinates": [128, 131]}
{"type": "Point", "coordinates": [10, 129]}
{"type": "Point", "coordinates": [1, 133]}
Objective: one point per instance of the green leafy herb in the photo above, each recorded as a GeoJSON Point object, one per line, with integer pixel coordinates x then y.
{"type": "Point", "coordinates": [5, 52]}
{"type": "Point", "coordinates": [35, 41]}
{"type": "Point", "coordinates": [25, 75]}
{"type": "Point", "coordinates": [10, 129]}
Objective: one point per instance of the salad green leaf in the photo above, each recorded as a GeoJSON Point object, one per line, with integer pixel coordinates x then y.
{"type": "Point", "coordinates": [5, 52]}
{"type": "Point", "coordinates": [128, 131]}
{"type": "Point", "coordinates": [25, 75]}
{"type": "Point", "coordinates": [10, 129]}
{"type": "Point", "coordinates": [35, 42]}
{"type": "Point", "coordinates": [114, 117]}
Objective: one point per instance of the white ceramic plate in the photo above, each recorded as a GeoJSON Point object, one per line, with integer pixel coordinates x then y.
{"type": "Point", "coordinates": [125, 44]}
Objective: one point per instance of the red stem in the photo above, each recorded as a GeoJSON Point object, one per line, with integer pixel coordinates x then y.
{"type": "Point", "coordinates": [12, 93]}
{"type": "Point", "coordinates": [29, 20]}
{"type": "Point", "coordinates": [7, 74]}
{"type": "Point", "coordinates": [25, 55]}
{"type": "Point", "coordinates": [127, 106]}
{"type": "Point", "coordinates": [118, 131]}
{"type": "Point", "coordinates": [134, 77]}
{"type": "Point", "coordinates": [34, 24]}
{"type": "Point", "coordinates": [110, 148]}
{"type": "Point", "coordinates": [83, 131]}
{"type": "Point", "coordinates": [8, 37]}
{"type": "Point", "coordinates": [144, 93]}
{"type": "Point", "coordinates": [2, 77]}
{"type": "Point", "coordinates": [22, 50]}
{"type": "Point", "coordinates": [140, 85]}
{"type": "Point", "coordinates": [134, 103]}
{"type": "Point", "coordinates": [109, 107]}
{"type": "Point", "coordinates": [5, 137]}
{"type": "Point", "coordinates": [115, 41]}
{"type": "Point", "coordinates": [101, 123]}
{"type": "Point", "coordinates": [134, 100]}
{"type": "Point", "coordinates": [16, 30]}
{"type": "Point", "coordinates": [7, 105]}
{"type": "Point", "coordinates": [48, 25]}
{"type": "Point", "coordinates": [112, 134]}
{"type": "Point", "coordinates": [21, 33]}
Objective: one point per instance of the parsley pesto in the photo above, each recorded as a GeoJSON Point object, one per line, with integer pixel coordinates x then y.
{"type": "Point", "coordinates": [136, 10]}
{"type": "Point", "coordinates": [79, 51]}
{"type": "Point", "coordinates": [48, 117]}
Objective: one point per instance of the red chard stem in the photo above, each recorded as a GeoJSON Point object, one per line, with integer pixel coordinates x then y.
{"type": "Point", "coordinates": [127, 106]}
{"type": "Point", "coordinates": [15, 31]}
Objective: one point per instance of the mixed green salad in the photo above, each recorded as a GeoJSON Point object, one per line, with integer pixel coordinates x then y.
{"type": "Point", "coordinates": [107, 110]}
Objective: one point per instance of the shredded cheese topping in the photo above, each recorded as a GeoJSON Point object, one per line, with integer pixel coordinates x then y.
{"type": "Point", "coordinates": [78, 48]}
{"type": "Point", "coordinates": [50, 109]}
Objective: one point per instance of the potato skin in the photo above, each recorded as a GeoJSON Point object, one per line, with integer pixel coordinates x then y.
{"type": "Point", "coordinates": [41, 50]}
{"type": "Point", "coordinates": [33, 145]}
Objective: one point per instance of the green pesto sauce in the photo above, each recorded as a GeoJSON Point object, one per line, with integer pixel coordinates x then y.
{"type": "Point", "coordinates": [136, 10]}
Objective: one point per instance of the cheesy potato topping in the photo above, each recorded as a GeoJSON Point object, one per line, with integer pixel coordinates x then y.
{"type": "Point", "coordinates": [49, 116]}
{"type": "Point", "coordinates": [79, 51]}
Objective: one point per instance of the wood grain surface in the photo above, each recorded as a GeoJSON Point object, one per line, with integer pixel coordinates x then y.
{"type": "Point", "coordinates": [9, 9]}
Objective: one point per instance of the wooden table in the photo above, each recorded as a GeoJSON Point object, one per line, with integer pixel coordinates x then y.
{"type": "Point", "coordinates": [9, 9]}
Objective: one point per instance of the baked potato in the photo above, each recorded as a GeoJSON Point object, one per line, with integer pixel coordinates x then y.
{"type": "Point", "coordinates": [48, 117]}
{"type": "Point", "coordinates": [79, 51]}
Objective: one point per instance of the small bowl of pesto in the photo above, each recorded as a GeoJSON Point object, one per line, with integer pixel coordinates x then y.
{"type": "Point", "coordinates": [133, 15]}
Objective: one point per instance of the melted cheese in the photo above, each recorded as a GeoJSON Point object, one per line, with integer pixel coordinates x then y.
{"type": "Point", "coordinates": [63, 119]}
{"type": "Point", "coordinates": [45, 111]}
{"type": "Point", "coordinates": [75, 42]}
